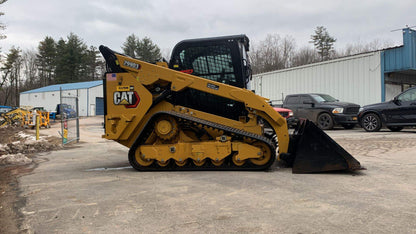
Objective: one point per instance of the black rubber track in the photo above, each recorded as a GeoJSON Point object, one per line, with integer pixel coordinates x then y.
{"type": "Point", "coordinates": [236, 134]}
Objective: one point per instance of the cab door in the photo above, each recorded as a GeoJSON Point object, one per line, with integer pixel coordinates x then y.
{"type": "Point", "coordinates": [405, 108]}
{"type": "Point", "coordinates": [307, 108]}
{"type": "Point", "coordinates": [292, 102]}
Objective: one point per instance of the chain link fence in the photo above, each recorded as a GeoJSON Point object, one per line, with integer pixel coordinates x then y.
{"type": "Point", "coordinates": [68, 113]}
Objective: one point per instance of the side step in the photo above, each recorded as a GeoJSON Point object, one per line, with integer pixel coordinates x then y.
{"type": "Point", "coordinates": [312, 150]}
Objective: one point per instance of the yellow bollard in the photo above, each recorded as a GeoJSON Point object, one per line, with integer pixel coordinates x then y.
{"type": "Point", "coordinates": [37, 127]}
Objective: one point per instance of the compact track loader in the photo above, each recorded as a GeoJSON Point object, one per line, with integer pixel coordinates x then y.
{"type": "Point", "coordinates": [196, 113]}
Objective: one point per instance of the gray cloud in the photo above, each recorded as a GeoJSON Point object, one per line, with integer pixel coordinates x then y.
{"type": "Point", "coordinates": [168, 21]}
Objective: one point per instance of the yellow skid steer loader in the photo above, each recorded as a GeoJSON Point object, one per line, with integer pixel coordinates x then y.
{"type": "Point", "coordinates": [196, 113]}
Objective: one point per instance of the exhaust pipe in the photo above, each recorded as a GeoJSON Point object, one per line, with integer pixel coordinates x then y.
{"type": "Point", "coordinates": [312, 150]}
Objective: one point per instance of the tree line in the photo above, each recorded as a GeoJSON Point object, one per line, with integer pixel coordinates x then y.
{"type": "Point", "coordinates": [61, 61]}
{"type": "Point", "coordinates": [54, 62]}
{"type": "Point", "coordinates": [276, 52]}
{"type": "Point", "coordinates": [71, 60]}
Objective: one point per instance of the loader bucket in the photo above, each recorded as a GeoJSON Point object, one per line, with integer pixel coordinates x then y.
{"type": "Point", "coordinates": [312, 150]}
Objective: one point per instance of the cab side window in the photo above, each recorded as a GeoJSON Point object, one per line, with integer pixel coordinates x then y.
{"type": "Point", "coordinates": [293, 100]}
{"type": "Point", "coordinates": [409, 96]}
{"type": "Point", "coordinates": [211, 62]}
{"type": "Point", "coordinates": [305, 99]}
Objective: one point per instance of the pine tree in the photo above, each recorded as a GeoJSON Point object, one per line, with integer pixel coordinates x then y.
{"type": "Point", "coordinates": [46, 60]}
{"type": "Point", "coordinates": [143, 49]}
{"type": "Point", "coordinates": [147, 51]}
{"type": "Point", "coordinates": [323, 42]}
{"type": "Point", "coordinates": [130, 46]}
{"type": "Point", "coordinates": [92, 63]}
{"type": "Point", "coordinates": [60, 62]}
{"type": "Point", "coordinates": [70, 61]}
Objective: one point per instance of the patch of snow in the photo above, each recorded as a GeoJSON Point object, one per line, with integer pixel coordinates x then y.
{"type": "Point", "coordinates": [14, 159]}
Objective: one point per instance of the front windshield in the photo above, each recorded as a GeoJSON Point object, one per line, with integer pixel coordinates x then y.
{"type": "Point", "coordinates": [323, 98]}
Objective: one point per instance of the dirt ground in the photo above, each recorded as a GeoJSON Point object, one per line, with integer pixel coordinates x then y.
{"type": "Point", "coordinates": [17, 148]}
{"type": "Point", "coordinates": [102, 193]}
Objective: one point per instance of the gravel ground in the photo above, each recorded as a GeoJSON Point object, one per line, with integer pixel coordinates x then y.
{"type": "Point", "coordinates": [92, 189]}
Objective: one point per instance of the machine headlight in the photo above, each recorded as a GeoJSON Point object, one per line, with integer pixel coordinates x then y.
{"type": "Point", "coordinates": [361, 109]}
{"type": "Point", "coordinates": [290, 113]}
{"type": "Point", "coordinates": [338, 110]}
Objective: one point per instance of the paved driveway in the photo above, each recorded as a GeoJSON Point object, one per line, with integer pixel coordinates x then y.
{"type": "Point", "coordinates": [92, 189]}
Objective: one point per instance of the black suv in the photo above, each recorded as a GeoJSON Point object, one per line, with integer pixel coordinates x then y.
{"type": "Point", "coordinates": [395, 114]}
{"type": "Point", "coordinates": [322, 109]}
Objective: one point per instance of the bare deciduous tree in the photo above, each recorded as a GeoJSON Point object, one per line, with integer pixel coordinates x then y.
{"type": "Point", "coordinates": [273, 53]}
{"type": "Point", "coordinates": [30, 70]}
{"type": "Point", "coordinates": [305, 56]}
{"type": "Point", "coordinates": [11, 77]}
{"type": "Point", "coordinates": [2, 26]}
{"type": "Point", "coordinates": [358, 48]}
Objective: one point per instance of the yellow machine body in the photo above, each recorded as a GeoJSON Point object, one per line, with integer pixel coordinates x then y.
{"type": "Point", "coordinates": [129, 107]}
{"type": "Point", "coordinates": [14, 117]}
{"type": "Point", "coordinates": [30, 119]}
{"type": "Point", "coordinates": [147, 110]}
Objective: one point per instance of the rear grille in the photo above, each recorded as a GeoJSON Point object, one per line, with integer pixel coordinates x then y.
{"type": "Point", "coordinates": [352, 110]}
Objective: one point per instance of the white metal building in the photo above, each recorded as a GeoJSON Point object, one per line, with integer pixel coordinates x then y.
{"type": "Point", "coordinates": [363, 79]}
{"type": "Point", "coordinates": [90, 97]}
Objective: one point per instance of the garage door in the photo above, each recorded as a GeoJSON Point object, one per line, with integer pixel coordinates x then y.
{"type": "Point", "coordinates": [99, 106]}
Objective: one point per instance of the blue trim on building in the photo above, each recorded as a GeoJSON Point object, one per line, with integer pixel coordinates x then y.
{"type": "Point", "coordinates": [402, 58]}
{"type": "Point", "coordinates": [88, 102]}
{"type": "Point", "coordinates": [383, 83]}
{"type": "Point", "coordinates": [69, 86]}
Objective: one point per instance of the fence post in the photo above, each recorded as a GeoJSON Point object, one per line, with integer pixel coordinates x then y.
{"type": "Point", "coordinates": [61, 114]}
{"type": "Point", "coordinates": [37, 126]}
{"type": "Point", "coordinates": [76, 101]}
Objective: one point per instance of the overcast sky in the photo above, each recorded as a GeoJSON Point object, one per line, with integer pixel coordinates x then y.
{"type": "Point", "coordinates": [166, 22]}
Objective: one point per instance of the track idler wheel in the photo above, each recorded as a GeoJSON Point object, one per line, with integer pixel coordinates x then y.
{"type": "Point", "coordinates": [141, 160]}
{"type": "Point", "coordinates": [181, 163]}
{"type": "Point", "coordinates": [164, 163]}
{"type": "Point", "coordinates": [265, 156]}
{"type": "Point", "coordinates": [217, 162]}
{"type": "Point", "coordinates": [166, 127]}
{"type": "Point", "coordinates": [199, 163]}
{"type": "Point", "coordinates": [237, 161]}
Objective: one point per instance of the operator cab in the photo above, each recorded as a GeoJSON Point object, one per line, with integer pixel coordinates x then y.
{"type": "Point", "coordinates": [220, 59]}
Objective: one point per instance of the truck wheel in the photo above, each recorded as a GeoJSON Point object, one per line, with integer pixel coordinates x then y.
{"type": "Point", "coordinates": [325, 121]}
{"type": "Point", "coordinates": [371, 122]}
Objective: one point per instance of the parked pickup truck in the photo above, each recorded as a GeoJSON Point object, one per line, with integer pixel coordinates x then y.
{"type": "Point", "coordinates": [324, 110]}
